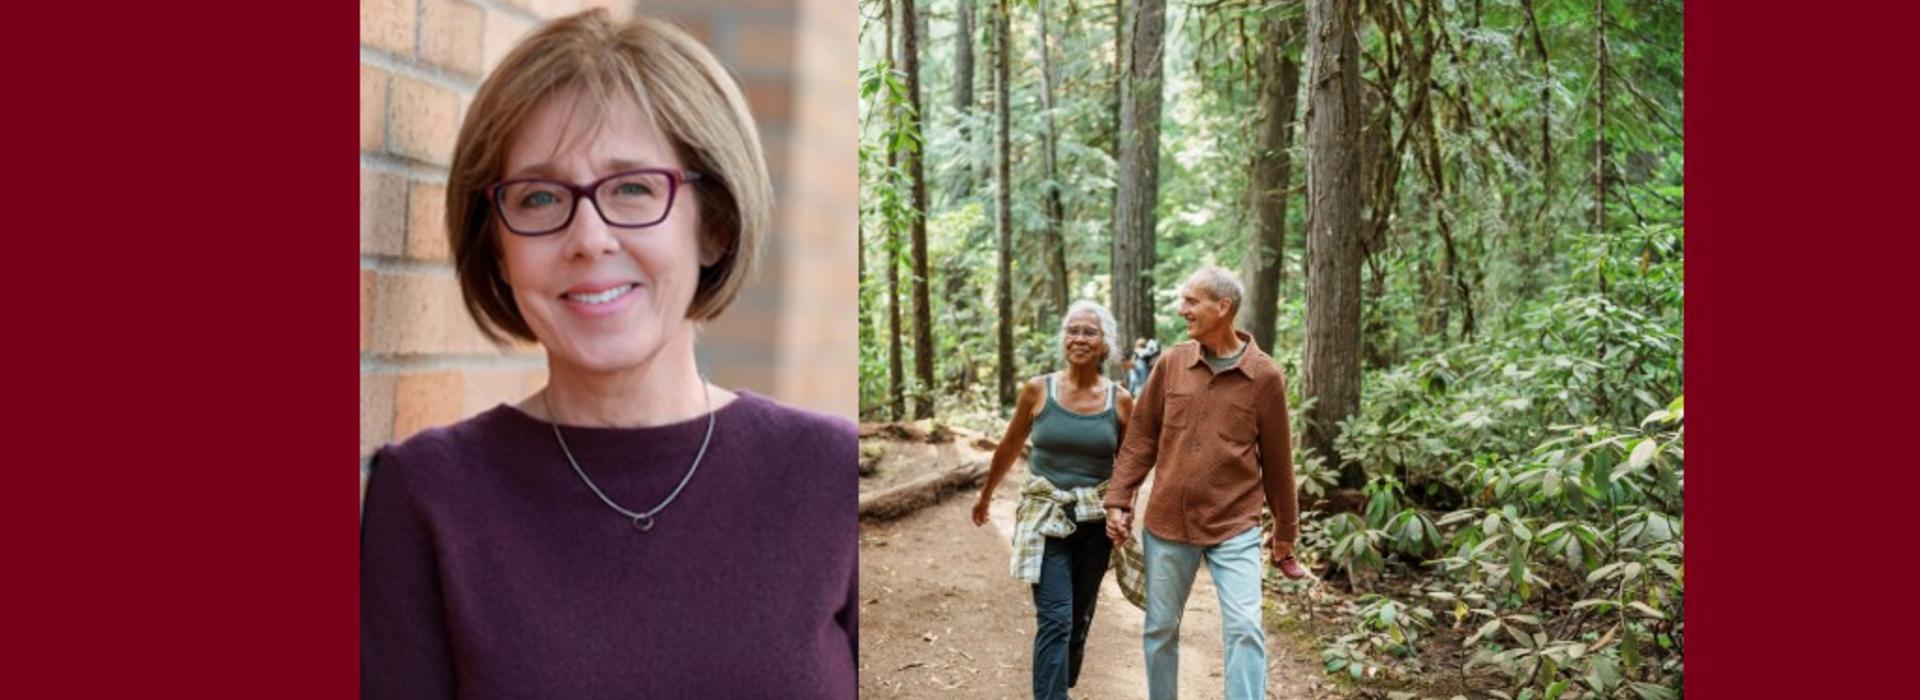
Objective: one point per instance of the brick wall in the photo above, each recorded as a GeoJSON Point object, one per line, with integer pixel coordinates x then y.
{"type": "Point", "coordinates": [791, 334]}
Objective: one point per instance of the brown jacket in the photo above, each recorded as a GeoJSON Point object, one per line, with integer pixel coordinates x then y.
{"type": "Point", "coordinates": [1220, 443]}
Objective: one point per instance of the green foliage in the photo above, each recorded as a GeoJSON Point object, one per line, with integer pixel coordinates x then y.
{"type": "Point", "coordinates": [1385, 627]}
{"type": "Point", "coordinates": [1521, 423]}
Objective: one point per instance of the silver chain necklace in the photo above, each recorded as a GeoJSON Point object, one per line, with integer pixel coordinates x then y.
{"type": "Point", "coordinates": [642, 522]}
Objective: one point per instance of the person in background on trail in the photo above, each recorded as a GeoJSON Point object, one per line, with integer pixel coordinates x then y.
{"type": "Point", "coordinates": [1145, 351]}
{"type": "Point", "coordinates": [630, 530]}
{"type": "Point", "coordinates": [1212, 426]}
{"type": "Point", "coordinates": [1075, 419]}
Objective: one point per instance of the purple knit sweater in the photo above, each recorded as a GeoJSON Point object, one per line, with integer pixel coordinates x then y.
{"type": "Point", "coordinates": [488, 570]}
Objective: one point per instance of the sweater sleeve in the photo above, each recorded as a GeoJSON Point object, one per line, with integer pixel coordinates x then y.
{"type": "Point", "coordinates": [1140, 446]}
{"type": "Point", "coordinates": [404, 648]}
{"type": "Point", "coordinates": [1276, 465]}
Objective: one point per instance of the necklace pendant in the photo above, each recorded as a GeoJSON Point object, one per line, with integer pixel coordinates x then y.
{"type": "Point", "coordinates": [642, 523]}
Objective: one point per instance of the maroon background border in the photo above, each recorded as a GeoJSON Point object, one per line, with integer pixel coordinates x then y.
{"type": "Point", "coordinates": [180, 501]}
{"type": "Point", "coordinates": [1800, 132]}
{"type": "Point", "coordinates": [179, 507]}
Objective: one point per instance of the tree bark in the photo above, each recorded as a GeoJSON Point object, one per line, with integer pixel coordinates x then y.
{"type": "Point", "coordinates": [1057, 280]}
{"type": "Point", "coordinates": [1139, 169]}
{"type": "Point", "coordinates": [1113, 134]}
{"type": "Point", "coordinates": [1331, 372]}
{"type": "Point", "coordinates": [963, 86]}
{"type": "Point", "coordinates": [1600, 132]}
{"type": "Point", "coordinates": [1003, 198]}
{"type": "Point", "coordinates": [1279, 74]}
{"type": "Point", "coordinates": [896, 373]}
{"type": "Point", "coordinates": [922, 305]}
{"type": "Point", "coordinates": [1546, 128]}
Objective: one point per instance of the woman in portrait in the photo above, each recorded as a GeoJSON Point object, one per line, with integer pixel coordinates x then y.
{"type": "Point", "coordinates": [1074, 419]}
{"type": "Point", "coordinates": [629, 530]}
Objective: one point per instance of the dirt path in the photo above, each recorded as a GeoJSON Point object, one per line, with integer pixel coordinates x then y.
{"type": "Point", "coordinates": [941, 618]}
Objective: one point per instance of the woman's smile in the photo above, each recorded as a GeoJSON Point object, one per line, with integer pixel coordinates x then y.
{"type": "Point", "coordinates": [597, 300]}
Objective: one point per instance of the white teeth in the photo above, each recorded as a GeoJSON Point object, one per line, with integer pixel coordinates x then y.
{"type": "Point", "coordinates": [603, 296]}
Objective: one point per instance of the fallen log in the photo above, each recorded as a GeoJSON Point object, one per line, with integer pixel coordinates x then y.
{"type": "Point", "coordinates": [922, 492]}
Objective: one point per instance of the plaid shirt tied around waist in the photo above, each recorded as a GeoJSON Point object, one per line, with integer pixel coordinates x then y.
{"type": "Point", "coordinates": [1046, 511]}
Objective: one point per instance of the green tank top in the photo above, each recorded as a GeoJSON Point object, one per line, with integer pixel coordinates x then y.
{"type": "Point", "coordinates": [1073, 450]}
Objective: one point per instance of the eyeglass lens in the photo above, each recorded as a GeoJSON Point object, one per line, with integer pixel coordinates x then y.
{"type": "Point", "coordinates": [634, 199]}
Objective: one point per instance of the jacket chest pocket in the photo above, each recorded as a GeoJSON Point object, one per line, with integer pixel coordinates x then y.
{"type": "Point", "coordinates": [1236, 424]}
{"type": "Point", "coordinates": [1179, 411]}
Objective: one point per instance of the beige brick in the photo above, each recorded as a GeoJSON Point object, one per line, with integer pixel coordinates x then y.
{"type": "Point", "coordinates": [366, 307]}
{"type": "Point", "coordinates": [387, 25]}
{"type": "Point", "coordinates": [426, 221]}
{"type": "Point", "coordinates": [376, 411]}
{"type": "Point", "coordinates": [383, 213]}
{"type": "Point", "coordinates": [532, 380]}
{"type": "Point", "coordinates": [737, 374]}
{"type": "Point", "coordinates": [425, 399]}
{"type": "Point", "coordinates": [546, 8]}
{"type": "Point", "coordinates": [771, 101]}
{"type": "Point", "coordinates": [422, 120]}
{"type": "Point", "coordinates": [420, 313]}
{"type": "Point", "coordinates": [695, 26]}
{"type": "Point", "coordinates": [373, 108]}
{"type": "Point", "coordinates": [486, 389]}
{"type": "Point", "coordinates": [777, 152]}
{"type": "Point", "coordinates": [748, 8]}
{"type": "Point", "coordinates": [451, 35]}
{"type": "Point", "coordinates": [742, 325]}
{"type": "Point", "coordinates": [762, 46]}
{"type": "Point", "coordinates": [502, 32]}
{"type": "Point", "coordinates": [620, 9]}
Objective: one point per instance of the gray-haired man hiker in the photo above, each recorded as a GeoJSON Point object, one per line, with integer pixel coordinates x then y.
{"type": "Point", "coordinates": [1211, 424]}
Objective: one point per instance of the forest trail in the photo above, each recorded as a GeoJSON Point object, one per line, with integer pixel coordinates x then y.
{"type": "Point", "coordinates": [941, 618]}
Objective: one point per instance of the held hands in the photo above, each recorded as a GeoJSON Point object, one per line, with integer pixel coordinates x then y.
{"type": "Point", "coordinates": [1119, 525]}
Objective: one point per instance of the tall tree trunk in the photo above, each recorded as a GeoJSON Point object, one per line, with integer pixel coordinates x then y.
{"type": "Point", "coordinates": [1272, 172]}
{"type": "Point", "coordinates": [1119, 88]}
{"type": "Point", "coordinates": [1332, 370]}
{"type": "Point", "coordinates": [922, 305]}
{"type": "Point", "coordinates": [896, 374]}
{"type": "Point", "coordinates": [1139, 166]}
{"type": "Point", "coordinates": [1057, 281]}
{"type": "Point", "coordinates": [1003, 196]}
{"type": "Point", "coordinates": [1600, 133]}
{"type": "Point", "coordinates": [1546, 128]}
{"type": "Point", "coordinates": [963, 86]}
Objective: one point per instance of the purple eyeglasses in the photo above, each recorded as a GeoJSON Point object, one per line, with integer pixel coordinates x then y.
{"type": "Point", "coordinates": [537, 206]}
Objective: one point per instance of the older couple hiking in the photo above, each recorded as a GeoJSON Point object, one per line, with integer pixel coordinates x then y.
{"type": "Point", "coordinates": [1211, 425]}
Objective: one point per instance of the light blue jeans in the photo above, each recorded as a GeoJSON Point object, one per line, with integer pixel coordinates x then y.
{"type": "Point", "coordinates": [1235, 565]}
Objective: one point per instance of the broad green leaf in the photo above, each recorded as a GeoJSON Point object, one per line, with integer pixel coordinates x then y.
{"type": "Point", "coordinates": [1484, 630]}
{"type": "Point", "coordinates": [1603, 674]}
{"type": "Point", "coordinates": [1649, 691]}
{"type": "Point", "coordinates": [1642, 453]}
{"type": "Point", "coordinates": [1555, 689]}
{"type": "Point", "coordinates": [1630, 649]}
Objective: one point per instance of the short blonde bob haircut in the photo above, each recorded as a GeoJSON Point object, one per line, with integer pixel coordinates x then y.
{"type": "Point", "coordinates": [679, 85]}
